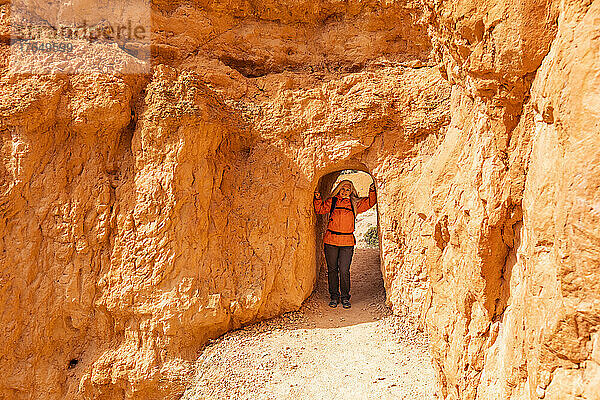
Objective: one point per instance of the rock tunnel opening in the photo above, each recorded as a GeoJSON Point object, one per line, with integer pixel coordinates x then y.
{"type": "Point", "coordinates": [366, 280]}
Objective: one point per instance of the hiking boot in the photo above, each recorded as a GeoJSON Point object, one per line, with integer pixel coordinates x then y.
{"type": "Point", "coordinates": [333, 303]}
{"type": "Point", "coordinates": [346, 303]}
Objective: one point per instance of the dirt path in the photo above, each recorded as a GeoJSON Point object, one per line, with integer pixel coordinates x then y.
{"type": "Point", "coordinates": [318, 352]}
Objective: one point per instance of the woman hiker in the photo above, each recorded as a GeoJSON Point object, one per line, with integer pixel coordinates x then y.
{"type": "Point", "coordinates": [339, 241]}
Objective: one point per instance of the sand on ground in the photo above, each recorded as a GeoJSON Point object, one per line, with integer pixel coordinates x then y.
{"type": "Point", "coordinates": [319, 352]}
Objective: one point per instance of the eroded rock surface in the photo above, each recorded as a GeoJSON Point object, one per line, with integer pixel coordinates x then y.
{"type": "Point", "coordinates": [143, 215]}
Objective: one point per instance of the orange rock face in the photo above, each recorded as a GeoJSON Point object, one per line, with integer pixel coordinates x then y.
{"type": "Point", "coordinates": [142, 215]}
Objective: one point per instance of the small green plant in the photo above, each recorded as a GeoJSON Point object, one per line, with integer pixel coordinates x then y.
{"type": "Point", "coordinates": [371, 237]}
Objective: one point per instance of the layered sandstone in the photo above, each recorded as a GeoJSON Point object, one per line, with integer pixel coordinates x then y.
{"type": "Point", "coordinates": [142, 215]}
{"type": "Point", "coordinates": [515, 299]}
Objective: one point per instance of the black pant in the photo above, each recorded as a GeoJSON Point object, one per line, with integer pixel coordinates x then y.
{"type": "Point", "coordinates": [338, 270]}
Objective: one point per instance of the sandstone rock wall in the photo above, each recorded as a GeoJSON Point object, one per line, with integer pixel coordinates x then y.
{"type": "Point", "coordinates": [143, 215]}
{"type": "Point", "coordinates": [515, 186]}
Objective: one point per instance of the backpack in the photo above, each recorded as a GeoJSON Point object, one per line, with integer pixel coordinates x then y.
{"type": "Point", "coordinates": [333, 203]}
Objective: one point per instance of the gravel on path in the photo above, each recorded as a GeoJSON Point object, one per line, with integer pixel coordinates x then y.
{"type": "Point", "coordinates": [319, 352]}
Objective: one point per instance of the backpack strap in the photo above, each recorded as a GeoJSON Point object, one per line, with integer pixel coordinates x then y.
{"type": "Point", "coordinates": [340, 233]}
{"type": "Point", "coordinates": [333, 203]}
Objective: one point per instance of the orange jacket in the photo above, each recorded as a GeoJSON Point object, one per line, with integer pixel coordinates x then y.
{"type": "Point", "coordinates": [342, 219]}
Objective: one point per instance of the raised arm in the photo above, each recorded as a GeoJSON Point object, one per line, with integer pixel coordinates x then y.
{"type": "Point", "coordinates": [367, 202]}
{"type": "Point", "coordinates": [321, 207]}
